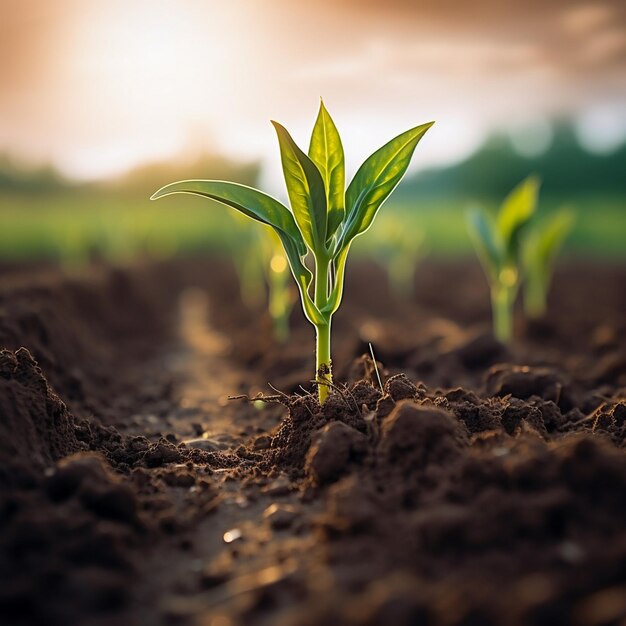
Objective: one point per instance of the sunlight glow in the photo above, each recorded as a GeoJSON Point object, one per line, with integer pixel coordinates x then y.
{"type": "Point", "coordinates": [531, 138]}
{"type": "Point", "coordinates": [155, 77]}
{"type": "Point", "coordinates": [99, 86]}
{"type": "Point", "coordinates": [602, 129]}
{"type": "Point", "coordinates": [278, 264]}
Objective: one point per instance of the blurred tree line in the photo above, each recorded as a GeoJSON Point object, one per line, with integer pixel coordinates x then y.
{"type": "Point", "coordinates": [18, 178]}
{"type": "Point", "coordinates": [566, 168]}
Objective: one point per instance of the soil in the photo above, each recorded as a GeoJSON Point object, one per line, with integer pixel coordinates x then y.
{"type": "Point", "coordinates": [481, 485]}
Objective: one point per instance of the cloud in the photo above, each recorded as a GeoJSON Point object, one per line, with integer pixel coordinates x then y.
{"type": "Point", "coordinates": [80, 79]}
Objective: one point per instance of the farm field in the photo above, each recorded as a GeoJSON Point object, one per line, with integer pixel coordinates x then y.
{"type": "Point", "coordinates": [361, 366]}
{"type": "Point", "coordinates": [138, 492]}
{"type": "Point", "coordinates": [67, 225]}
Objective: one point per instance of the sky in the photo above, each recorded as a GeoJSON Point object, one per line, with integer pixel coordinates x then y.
{"type": "Point", "coordinates": [99, 86]}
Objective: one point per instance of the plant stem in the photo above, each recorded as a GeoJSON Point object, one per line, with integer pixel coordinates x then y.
{"type": "Point", "coordinates": [502, 298]}
{"type": "Point", "coordinates": [280, 325]}
{"type": "Point", "coordinates": [280, 304]}
{"type": "Point", "coordinates": [321, 281]}
{"type": "Point", "coordinates": [535, 303]}
{"type": "Point", "coordinates": [323, 371]}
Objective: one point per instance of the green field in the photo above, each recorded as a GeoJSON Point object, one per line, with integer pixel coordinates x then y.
{"type": "Point", "coordinates": [70, 226]}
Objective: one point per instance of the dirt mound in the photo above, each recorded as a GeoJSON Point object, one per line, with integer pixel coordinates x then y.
{"type": "Point", "coordinates": [82, 331]}
{"type": "Point", "coordinates": [446, 518]}
{"type": "Point", "coordinates": [478, 485]}
{"type": "Point", "coordinates": [307, 419]}
{"type": "Point", "coordinates": [35, 426]}
{"type": "Point", "coordinates": [452, 507]}
{"type": "Point", "coordinates": [77, 497]}
{"type": "Point", "coordinates": [66, 545]}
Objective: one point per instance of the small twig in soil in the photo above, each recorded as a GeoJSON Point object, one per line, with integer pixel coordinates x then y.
{"type": "Point", "coordinates": [278, 399]}
{"type": "Point", "coordinates": [278, 391]}
{"type": "Point", "coordinates": [356, 404]}
{"type": "Point", "coordinates": [380, 382]}
{"type": "Point", "coordinates": [341, 392]}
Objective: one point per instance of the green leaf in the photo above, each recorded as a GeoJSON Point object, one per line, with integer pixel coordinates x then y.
{"type": "Point", "coordinates": [376, 179]}
{"type": "Point", "coordinates": [547, 238]}
{"type": "Point", "coordinates": [262, 208]}
{"type": "Point", "coordinates": [517, 209]}
{"type": "Point", "coordinates": [339, 263]}
{"type": "Point", "coordinates": [484, 236]}
{"type": "Point", "coordinates": [251, 202]}
{"type": "Point", "coordinates": [303, 277]}
{"type": "Point", "coordinates": [326, 151]}
{"type": "Point", "coordinates": [306, 190]}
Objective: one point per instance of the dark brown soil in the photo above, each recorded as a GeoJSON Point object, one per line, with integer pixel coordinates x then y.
{"type": "Point", "coordinates": [482, 485]}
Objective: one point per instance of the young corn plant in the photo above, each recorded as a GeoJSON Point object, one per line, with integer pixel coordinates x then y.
{"type": "Point", "coordinates": [399, 249]}
{"type": "Point", "coordinates": [260, 259]}
{"type": "Point", "coordinates": [498, 243]}
{"type": "Point", "coordinates": [260, 262]}
{"type": "Point", "coordinates": [540, 249]}
{"type": "Point", "coordinates": [248, 262]}
{"type": "Point", "coordinates": [325, 218]}
{"type": "Point", "coordinates": [280, 295]}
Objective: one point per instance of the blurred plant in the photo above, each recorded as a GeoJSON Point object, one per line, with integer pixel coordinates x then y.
{"type": "Point", "coordinates": [281, 296]}
{"type": "Point", "coordinates": [249, 262]}
{"type": "Point", "coordinates": [399, 249]}
{"type": "Point", "coordinates": [498, 244]}
{"type": "Point", "coordinates": [540, 249]}
{"type": "Point", "coordinates": [324, 219]}
{"type": "Point", "coordinates": [260, 258]}
{"type": "Point", "coordinates": [102, 240]}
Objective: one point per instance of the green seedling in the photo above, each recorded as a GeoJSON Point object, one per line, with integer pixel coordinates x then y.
{"type": "Point", "coordinates": [399, 249]}
{"type": "Point", "coordinates": [281, 296]}
{"type": "Point", "coordinates": [324, 219]}
{"type": "Point", "coordinates": [540, 249]}
{"type": "Point", "coordinates": [260, 258]}
{"type": "Point", "coordinates": [498, 243]}
{"type": "Point", "coordinates": [248, 262]}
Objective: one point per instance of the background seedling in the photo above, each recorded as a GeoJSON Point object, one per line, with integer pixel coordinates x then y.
{"type": "Point", "coordinates": [280, 295]}
{"type": "Point", "coordinates": [259, 258]}
{"type": "Point", "coordinates": [540, 249]}
{"type": "Point", "coordinates": [249, 262]}
{"type": "Point", "coordinates": [399, 249]}
{"type": "Point", "coordinates": [324, 219]}
{"type": "Point", "coordinates": [499, 245]}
